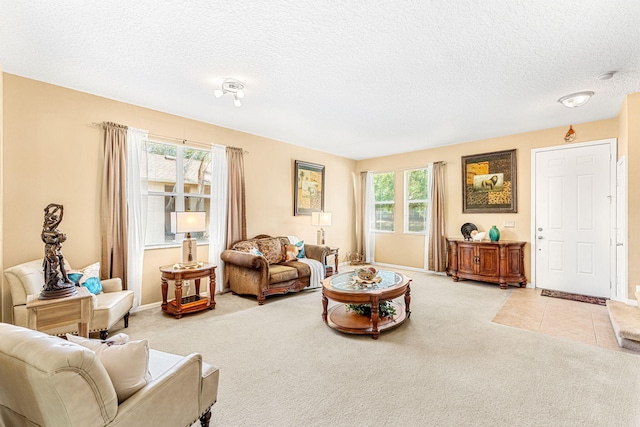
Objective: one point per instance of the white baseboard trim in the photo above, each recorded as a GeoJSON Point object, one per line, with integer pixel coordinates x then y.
{"type": "Point", "coordinates": [146, 307]}
{"type": "Point", "coordinates": [402, 267]}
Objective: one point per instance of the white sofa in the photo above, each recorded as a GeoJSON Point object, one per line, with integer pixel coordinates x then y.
{"type": "Point", "coordinates": [109, 306]}
{"type": "Point", "coordinates": [48, 381]}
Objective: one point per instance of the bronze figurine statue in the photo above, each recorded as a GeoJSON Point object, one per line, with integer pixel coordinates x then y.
{"type": "Point", "coordinates": [56, 282]}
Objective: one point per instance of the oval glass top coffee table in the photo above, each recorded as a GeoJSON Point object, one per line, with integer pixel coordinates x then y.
{"type": "Point", "coordinates": [350, 292]}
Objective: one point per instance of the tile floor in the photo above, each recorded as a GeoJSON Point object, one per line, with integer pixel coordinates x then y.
{"type": "Point", "coordinates": [577, 321]}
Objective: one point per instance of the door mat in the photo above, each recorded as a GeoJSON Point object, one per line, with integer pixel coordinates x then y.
{"type": "Point", "coordinates": [573, 297]}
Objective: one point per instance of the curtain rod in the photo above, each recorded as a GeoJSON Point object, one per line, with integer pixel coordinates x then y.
{"type": "Point", "coordinates": [184, 141]}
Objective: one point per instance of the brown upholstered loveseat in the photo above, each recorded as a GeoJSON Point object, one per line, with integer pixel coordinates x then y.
{"type": "Point", "coordinates": [259, 267]}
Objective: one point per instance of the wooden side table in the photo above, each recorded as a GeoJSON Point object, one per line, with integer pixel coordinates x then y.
{"type": "Point", "coordinates": [48, 314]}
{"type": "Point", "coordinates": [193, 303]}
{"type": "Point", "coordinates": [336, 260]}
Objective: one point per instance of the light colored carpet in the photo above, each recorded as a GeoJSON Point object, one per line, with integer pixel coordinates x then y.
{"type": "Point", "coordinates": [448, 365]}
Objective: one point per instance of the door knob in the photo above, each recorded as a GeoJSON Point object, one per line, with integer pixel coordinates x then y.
{"type": "Point", "coordinates": [540, 237]}
{"type": "Point", "coordinates": [539, 228]}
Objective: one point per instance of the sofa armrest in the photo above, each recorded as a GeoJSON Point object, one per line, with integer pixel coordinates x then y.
{"type": "Point", "coordinates": [111, 285]}
{"type": "Point", "coordinates": [317, 252]}
{"type": "Point", "coordinates": [172, 399]}
{"type": "Point", "coordinates": [244, 259]}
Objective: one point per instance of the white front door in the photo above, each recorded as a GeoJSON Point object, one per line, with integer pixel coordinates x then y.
{"type": "Point", "coordinates": [572, 219]}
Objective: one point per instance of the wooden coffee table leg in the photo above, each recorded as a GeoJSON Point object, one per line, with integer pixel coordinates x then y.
{"type": "Point", "coordinates": [407, 300]}
{"type": "Point", "coordinates": [375, 317]}
{"type": "Point", "coordinates": [325, 303]}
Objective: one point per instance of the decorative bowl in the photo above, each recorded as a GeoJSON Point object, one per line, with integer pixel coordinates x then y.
{"type": "Point", "coordinates": [478, 237]}
{"type": "Point", "coordinates": [368, 273]}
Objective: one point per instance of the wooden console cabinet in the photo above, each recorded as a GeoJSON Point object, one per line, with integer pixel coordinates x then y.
{"type": "Point", "coordinates": [499, 262]}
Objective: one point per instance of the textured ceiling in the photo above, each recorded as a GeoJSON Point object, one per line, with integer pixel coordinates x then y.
{"type": "Point", "coordinates": [355, 78]}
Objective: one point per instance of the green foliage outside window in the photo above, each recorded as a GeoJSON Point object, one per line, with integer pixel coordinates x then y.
{"type": "Point", "coordinates": [384, 186]}
{"type": "Point", "coordinates": [384, 191]}
{"type": "Point", "coordinates": [416, 200]}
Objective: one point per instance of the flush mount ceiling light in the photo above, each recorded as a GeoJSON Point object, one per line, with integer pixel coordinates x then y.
{"type": "Point", "coordinates": [606, 76]}
{"type": "Point", "coordinates": [575, 99]}
{"type": "Point", "coordinates": [234, 87]}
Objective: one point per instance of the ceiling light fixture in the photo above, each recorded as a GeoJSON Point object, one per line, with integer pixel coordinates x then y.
{"type": "Point", "coordinates": [575, 99]}
{"type": "Point", "coordinates": [234, 87]}
{"type": "Point", "coordinates": [606, 76]}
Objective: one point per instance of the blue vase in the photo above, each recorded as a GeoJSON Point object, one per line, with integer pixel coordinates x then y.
{"type": "Point", "coordinates": [494, 234]}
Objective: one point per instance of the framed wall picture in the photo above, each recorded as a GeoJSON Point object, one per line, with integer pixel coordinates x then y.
{"type": "Point", "coordinates": [489, 182]}
{"type": "Point", "coordinates": [308, 188]}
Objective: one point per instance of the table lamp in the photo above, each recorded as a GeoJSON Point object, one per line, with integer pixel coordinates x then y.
{"type": "Point", "coordinates": [320, 219]}
{"type": "Point", "coordinates": [188, 222]}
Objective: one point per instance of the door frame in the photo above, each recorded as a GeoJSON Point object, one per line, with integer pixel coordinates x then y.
{"type": "Point", "coordinates": [622, 288]}
{"type": "Point", "coordinates": [613, 156]}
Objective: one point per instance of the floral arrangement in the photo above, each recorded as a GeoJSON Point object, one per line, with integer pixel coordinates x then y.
{"type": "Point", "coordinates": [385, 309]}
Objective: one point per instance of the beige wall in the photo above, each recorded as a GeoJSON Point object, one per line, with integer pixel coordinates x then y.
{"type": "Point", "coordinates": [4, 288]}
{"type": "Point", "coordinates": [53, 154]}
{"type": "Point", "coordinates": [398, 248]}
{"type": "Point", "coordinates": [630, 125]}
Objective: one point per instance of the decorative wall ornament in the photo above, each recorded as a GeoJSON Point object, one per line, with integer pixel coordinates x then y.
{"type": "Point", "coordinates": [308, 188]}
{"type": "Point", "coordinates": [489, 182]}
{"type": "Point", "coordinates": [571, 135]}
{"type": "Point", "coordinates": [56, 282]}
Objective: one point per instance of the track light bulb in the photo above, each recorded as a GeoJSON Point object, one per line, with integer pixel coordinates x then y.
{"type": "Point", "coordinates": [233, 87]}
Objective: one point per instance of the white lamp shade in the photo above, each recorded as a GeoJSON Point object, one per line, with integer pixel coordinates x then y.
{"type": "Point", "coordinates": [320, 218]}
{"type": "Point", "coordinates": [188, 222]}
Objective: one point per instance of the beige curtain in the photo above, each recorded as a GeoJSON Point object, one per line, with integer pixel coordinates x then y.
{"type": "Point", "coordinates": [365, 237]}
{"type": "Point", "coordinates": [361, 222]}
{"type": "Point", "coordinates": [437, 244]}
{"type": "Point", "coordinates": [114, 203]}
{"type": "Point", "coordinates": [236, 206]}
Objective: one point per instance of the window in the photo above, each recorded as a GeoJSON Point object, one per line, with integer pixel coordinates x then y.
{"type": "Point", "coordinates": [179, 179]}
{"type": "Point", "coordinates": [416, 195]}
{"type": "Point", "coordinates": [384, 191]}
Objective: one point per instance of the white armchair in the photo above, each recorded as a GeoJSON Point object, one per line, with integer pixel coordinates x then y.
{"type": "Point", "coordinates": [48, 381]}
{"type": "Point", "coordinates": [109, 306]}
